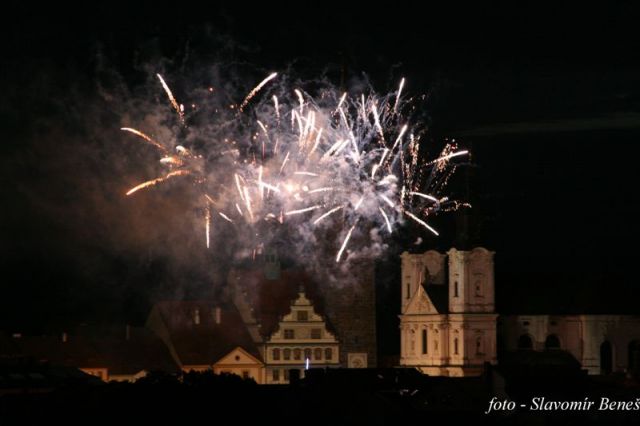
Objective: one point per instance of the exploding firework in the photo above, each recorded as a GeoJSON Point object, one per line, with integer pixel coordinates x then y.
{"type": "Point", "coordinates": [350, 161]}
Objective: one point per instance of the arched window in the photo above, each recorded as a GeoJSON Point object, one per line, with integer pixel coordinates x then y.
{"type": "Point", "coordinates": [552, 342]}
{"type": "Point", "coordinates": [276, 354]}
{"type": "Point", "coordinates": [287, 354]}
{"type": "Point", "coordinates": [479, 345]}
{"type": "Point", "coordinates": [317, 354]}
{"type": "Point", "coordinates": [328, 354]}
{"type": "Point", "coordinates": [297, 353]}
{"type": "Point", "coordinates": [412, 341]}
{"type": "Point", "coordinates": [478, 288]}
{"type": "Point", "coordinates": [455, 288]}
{"type": "Point", "coordinates": [525, 342]}
{"type": "Point", "coordinates": [455, 346]}
{"type": "Point", "coordinates": [424, 341]}
{"type": "Point", "coordinates": [307, 354]}
{"type": "Point", "coordinates": [408, 290]}
{"type": "Point", "coordinates": [606, 358]}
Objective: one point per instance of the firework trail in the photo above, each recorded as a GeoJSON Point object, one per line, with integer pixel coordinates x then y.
{"type": "Point", "coordinates": [322, 162]}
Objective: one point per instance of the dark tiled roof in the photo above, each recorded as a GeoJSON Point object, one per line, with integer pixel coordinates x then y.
{"type": "Point", "coordinates": [142, 351]}
{"type": "Point", "coordinates": [271, 299]}
{"type": "Point", "coordinates": [207, 342]}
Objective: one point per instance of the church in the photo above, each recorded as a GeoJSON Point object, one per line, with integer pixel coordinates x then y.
{"type": "Point", "coordinates": [449, 325]}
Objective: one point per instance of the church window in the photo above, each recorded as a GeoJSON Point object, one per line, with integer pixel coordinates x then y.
{"type": "Point", "coordinates": [287, 354]}
{"type": "Point", "coordinates": [317, 354]}
{"type": "Point", "coordinates": [245, 374]}
{"type": "Point", "coordinates": [435, 345]}
{"type": "Point", "coordinates": [413, 341]}
{"type": "Point", "coordinates": [316, 333]}
{"type": "Point", "coordinates": [552, 342]}
{"type": "Point", "coordinates": [276, 354]}
{"type": "Point", "coordinates": [455, 346]}
{"type": "Point", "coordinates": [307, 354]}
{"type": "Point", "coordinates": [455, 289]}
{"type": "Point", "coordinates": [328, 354]}
{"type": "Point", "coordinates": [303, 316]}
{"type": "Point", "coordinates": [479, 345]}
{"type": "Point", "coordinates": [289, 334]}
{"type": "Point", "coordinates": [408, 290]}
{"type": "Point", "coordinates": [424, 341]}
{"type": "Point", "coordinates": [296, 354]}
{"type": "Point", "coordinates": [478, 288]}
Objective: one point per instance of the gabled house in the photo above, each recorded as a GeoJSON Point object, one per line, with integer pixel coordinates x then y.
{"type": "Point", "coordinates": [204, 336]}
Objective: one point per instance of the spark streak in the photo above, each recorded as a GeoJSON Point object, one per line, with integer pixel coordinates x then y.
{"type": "Point", "coordinates": [421, 222]}
{"type": "Point", "coordinates": [386, 219]}
{"type": "Point", "coordinates": [172, 99]}
{"type": "Point", "coordinates": [344, 244]}
{"type": "Point", "coordinates": [145, 137]}
{"type": "Point", "coordinates": [158, 180]}
{"type": "Point", "coordinates": [256, 89]}
{"type": "Point", "coordinates": [300, 211]}
{"type": "Point", "coordinates": [327, 214]}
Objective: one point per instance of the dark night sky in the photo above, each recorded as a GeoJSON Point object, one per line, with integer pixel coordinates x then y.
{"type": "Point", "coordinates": [548, 99]}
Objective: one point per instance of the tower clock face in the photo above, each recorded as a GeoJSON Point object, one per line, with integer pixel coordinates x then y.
{"type": "Point", "coordinates": [357, 363]}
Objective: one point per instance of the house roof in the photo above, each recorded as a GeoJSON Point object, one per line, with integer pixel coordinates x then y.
{"type": "Point", "coordinates": [271, 299]}
{"type": "Point", "coordinates": [205, 342]}
{"type": "Point", "coordinates": [97, 349]}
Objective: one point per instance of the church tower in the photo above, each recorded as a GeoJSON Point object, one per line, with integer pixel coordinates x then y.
{"type": "Point", "coordinates": [448, 326]}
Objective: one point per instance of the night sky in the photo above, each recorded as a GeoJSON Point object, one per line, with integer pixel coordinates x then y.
{"type": "Point", "coordinates": [547, 99]}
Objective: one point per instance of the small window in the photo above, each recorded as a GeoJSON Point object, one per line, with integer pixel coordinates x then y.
{"type": "Point", "coordinates": [478, 288]}
{"type": "Point", "coordinates": [297, 353]}
{"type": "Point", "coordinates": [455, 289]}
{"type": "Point", "coordinates": [286, 374]}
{"type": "Point", "coordinates": [245, 374]}
{"type": "Point", "coordinates": [455, 346]}
{"type": "Point", "coordinates": [287, 354]}
{"type": "Point", "coordinates": [317, 354]}
{"type": "Point", "coordinates": [424, 342]}
{"type": "Point", "coordinates": [289, 334]}
{"type": "Point", "coordinates": [316, 333]}
{"type": "Point", "coordinates": [276, 375]}
{"type": "Point", "coordinates": [307, 354]}
{"type": "Point", "coordinates": [276, 354]}
{"type": "Point", "coordinates": [479, 345]}
{"type": "Point", "coordinates": [408, 290]}
{"type": "Point", "coordinates": [328, 354]}
{"type": "Point", "coordinates": [303, 316]}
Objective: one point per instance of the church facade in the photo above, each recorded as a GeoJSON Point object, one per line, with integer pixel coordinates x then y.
{"type": "Point", "coordinates": [448, 319]}
{"type": "Point", "coordinates": [449, 326]}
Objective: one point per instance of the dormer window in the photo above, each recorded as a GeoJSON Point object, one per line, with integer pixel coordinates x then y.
{"type": "Point", "coordinates": [303, 316]}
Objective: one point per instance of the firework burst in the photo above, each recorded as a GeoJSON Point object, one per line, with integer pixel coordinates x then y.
{"type": "Point", "coordinates": [333, 160]}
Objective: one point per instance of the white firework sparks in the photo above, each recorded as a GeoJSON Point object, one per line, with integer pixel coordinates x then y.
{"type": "Point", "coordinates": [327, 155]}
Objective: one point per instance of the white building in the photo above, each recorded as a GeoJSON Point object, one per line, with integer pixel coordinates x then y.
{"type": "Point", "coordinates": [601, 343]}
{"type": "Point", "coordinates": [300, 341]}
{"type": "Point", "coordinates": [447, 321]}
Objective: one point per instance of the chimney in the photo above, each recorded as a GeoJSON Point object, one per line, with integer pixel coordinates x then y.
{"type": "Point", "coordinates": [196, 316]}
{"type": "Point", "coordinates": [218, 315]}
{"type": "Point", "coordinates": [127, 332]}
{"type": "Point", "coordinates": [64, 337]}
